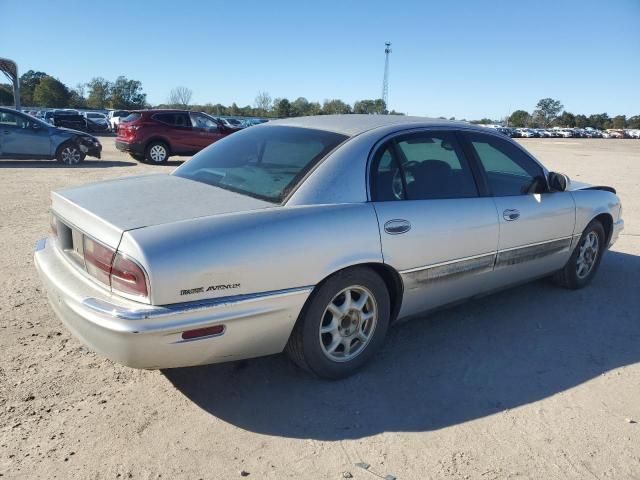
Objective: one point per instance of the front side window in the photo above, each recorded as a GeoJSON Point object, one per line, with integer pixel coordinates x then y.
{"type": "Point", "coordinates": [201, 121]}
{"type": "Point", "coordinates": [509, 170]}
{"type": "Point", "coordinates": [265, 162]}
{"type": "Point", "coordinates": [423, 166]}
{"type": "Point", "coordinates": [8, 119]}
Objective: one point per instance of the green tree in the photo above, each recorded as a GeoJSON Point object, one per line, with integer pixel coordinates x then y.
{"type": "Point", "coordinates": [28, 83]}
{"type": "Point", "coordinates": [599, 120]}
{"type": "Point", "coordinates": [581, 121]}
{"type": "Point", "coordinates": [619, 121]}
{"type": "Point", "coordinates": [99, 93]}
{"type": "Point", "coordinates": [547, 110]}
{"type": "Point", "coordinates": [566, 120]}
{"type": "Point", "coordinates": [634, 122]}
{"type": "Point", "coordinates": [282, 107]}
{"type": "Point", "coordinates": [51, 92]}
{"type": "Point", "coordinates": [127, 94]}
{"type": "Point", "coordinates": [335, 106]}
{"type": "Point", "coordinates": [370, 106]}
{"type": "Point", "coordinates": [6, 94]}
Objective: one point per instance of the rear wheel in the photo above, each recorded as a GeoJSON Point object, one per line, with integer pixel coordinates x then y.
{"type": "Point", "coordinates": [343, 324]}
{"type": "Point", "coordinates": [585, 259]}
{"type": "Point", "coordinates": [157, 152]}
{"type": "Point", "coordinates": [70, 154]}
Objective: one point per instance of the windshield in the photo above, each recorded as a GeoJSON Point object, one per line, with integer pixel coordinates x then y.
{"type": "Point", "coordinates": [262, 162]}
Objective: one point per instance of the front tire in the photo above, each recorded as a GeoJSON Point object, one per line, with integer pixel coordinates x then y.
{"type": "Point", "coordinates": [342, 325]}
{"type": "Point", "coordinates": [70, 154]}
{"type": "Point", "coordinates": [157, 152]}
{"type": "Point", "coordinates": [585, 259]}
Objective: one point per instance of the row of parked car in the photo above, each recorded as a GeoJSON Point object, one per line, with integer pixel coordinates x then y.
{"type": "Point", "coordinates": [557, 132]}
{"type": "Point", "coordinates": [97, 122]}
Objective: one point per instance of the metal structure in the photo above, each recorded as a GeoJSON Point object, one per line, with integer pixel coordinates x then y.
{"type": "Point", "coordinates": [385, 81]}
{"type": "Point", "coordinates": [10, 69]}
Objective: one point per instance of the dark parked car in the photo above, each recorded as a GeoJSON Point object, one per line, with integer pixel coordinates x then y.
{"type": "Point", "coordinates": [25, 137]}
{"type": "Point", "coordinates": [155, 135]}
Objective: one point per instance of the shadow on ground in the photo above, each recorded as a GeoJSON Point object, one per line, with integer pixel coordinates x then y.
{"type": "Point", "coordinates": [55, 164]}
{"type": "Point", "coordinates": [499, 352]}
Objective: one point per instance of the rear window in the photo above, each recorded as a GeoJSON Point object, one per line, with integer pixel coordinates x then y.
{"type": "Point", "coordinates": [265, 162]}
{"type": "Point", "coordinates": [132, 117]}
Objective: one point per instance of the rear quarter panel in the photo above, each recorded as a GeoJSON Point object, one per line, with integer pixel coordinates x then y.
{"type": "Point", "coordinates": [253, 252]}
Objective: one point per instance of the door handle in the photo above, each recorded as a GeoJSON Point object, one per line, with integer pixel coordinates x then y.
{"type": "Point", "coordinates": [511, 214]}
{"type": "Point", "coordinates": [397, 226]}
{"type": "Point", "coordinates": [6, 132]}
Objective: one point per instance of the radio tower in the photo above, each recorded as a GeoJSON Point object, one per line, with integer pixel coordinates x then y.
{"type": "Point", "coordinates": [385, 82]}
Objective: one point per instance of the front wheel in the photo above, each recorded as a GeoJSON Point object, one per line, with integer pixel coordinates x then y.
{"type": "Point", "coordinates": [343, 324]}
{"type": "Point", "coordinates": [585, 259]}
{"type": "Point", "coordinates": [70, 154]}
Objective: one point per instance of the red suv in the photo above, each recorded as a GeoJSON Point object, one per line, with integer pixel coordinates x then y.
{"type": "Point", "coordinates": [155, 135]}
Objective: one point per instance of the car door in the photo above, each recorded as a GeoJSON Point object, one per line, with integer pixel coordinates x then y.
{"type": "Point", "coordinates": [23, 137]}
{"type": "Point", "coordinates": [205, 130]}
{"type": "Point", "coordinates": [536, 225]}
{"type": "Point", "coordinates": [437, 229]}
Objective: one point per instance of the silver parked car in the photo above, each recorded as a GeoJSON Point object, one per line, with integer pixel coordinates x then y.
{"type": "Point", "coordinates": [312, 235]}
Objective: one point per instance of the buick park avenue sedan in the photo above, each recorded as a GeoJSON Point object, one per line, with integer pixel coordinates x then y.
{"type": "Point", "coordinates": [312, 236]}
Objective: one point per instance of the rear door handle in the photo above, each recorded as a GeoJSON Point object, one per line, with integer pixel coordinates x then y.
{"type": "Point", "coordinates": [511, 214]}
{"type": "Point", "coordinates": [397, 226]}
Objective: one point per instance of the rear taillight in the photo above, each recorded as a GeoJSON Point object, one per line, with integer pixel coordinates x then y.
{"type": "Point", "coordinates": [97, 259]}
{"type": "Point", "coordinates": [128, 277]}
{"type": "Point", "coordinates": [113, 269]}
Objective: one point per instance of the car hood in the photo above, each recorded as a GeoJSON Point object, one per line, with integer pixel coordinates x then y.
{"type": "Point", "coordinates": [105, 210]}
{"type": "Point", "coordinates": [70, 131]}
{"type": "Point", "coordinates": [574, 185]}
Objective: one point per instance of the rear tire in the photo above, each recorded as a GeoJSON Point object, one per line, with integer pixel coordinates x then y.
{"type": "Point", "coordinates": [157, 152]}
{"type": "Point", "coordinates": [342, 325]}
{"type": "Point", "coordinates": [69, 153]}
{"type": "Point", "coordinates": [585, 259]}
{"type": "Point", "coordinates": [137, 156]}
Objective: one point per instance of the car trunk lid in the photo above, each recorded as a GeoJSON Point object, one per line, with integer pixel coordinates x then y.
{"type": "Point", "coordinates": [107, 209]}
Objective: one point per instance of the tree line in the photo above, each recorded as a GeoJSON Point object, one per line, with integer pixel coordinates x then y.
{"type": "Point", "coordinates": [551, 113]}
{"type": "Point", "coordinates": [41, 89]}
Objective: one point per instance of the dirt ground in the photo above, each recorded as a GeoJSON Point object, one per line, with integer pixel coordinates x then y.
{"type": "Point", "coordinates": [535, 382]}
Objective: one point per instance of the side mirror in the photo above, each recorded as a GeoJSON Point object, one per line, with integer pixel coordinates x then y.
{"type": "Point", "coordinates": [558, 182]}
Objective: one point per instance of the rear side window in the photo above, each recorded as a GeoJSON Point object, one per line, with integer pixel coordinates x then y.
{"type": "Point", "coordinates": [509, 170]}
{"type": "Point", "coordinates": [132, 117]}
{"type": "Point", "coordinates": [173, 119]}
{"type": "Point", "coordinates": [423, 166]}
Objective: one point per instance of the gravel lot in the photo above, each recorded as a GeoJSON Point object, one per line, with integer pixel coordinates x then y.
{"type": "Point", "coordinates": [534, 382]}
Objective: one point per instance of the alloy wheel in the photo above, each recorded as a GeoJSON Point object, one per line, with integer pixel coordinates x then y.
{"type": "Point", "coordinates": [158, 153]}
{"type": "Point", "coordinates": [71, 155]}
{"type": "Point", "coordinates": [348, 323]}
{"type": "Point", "coordinates": [588, 252]}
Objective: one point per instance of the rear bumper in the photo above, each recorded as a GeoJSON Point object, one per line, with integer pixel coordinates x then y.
{"type": "Point", "coordinates": [130, 147]}
{"type": "Point", "coordinates": [144, 336]}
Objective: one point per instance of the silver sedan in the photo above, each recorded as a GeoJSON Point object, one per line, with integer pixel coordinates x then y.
{"type": "Point", "coordinates": [313, 235]}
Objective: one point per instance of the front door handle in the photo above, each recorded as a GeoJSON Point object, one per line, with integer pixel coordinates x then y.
{"type": "Point", "coordinates": [397, 226]}
{"type": "Point", "coordinates": [511, 214]}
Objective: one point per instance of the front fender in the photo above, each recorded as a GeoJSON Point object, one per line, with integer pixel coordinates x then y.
{"type": "Point", "coordinates": [591, 203]}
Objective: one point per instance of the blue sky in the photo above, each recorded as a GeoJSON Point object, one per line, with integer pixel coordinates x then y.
{"type": "Point", "coordinates": [468, 59]}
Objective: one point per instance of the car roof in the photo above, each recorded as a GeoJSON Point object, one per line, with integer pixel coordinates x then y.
{"type": "Point", "coordinates": [354, 124]}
